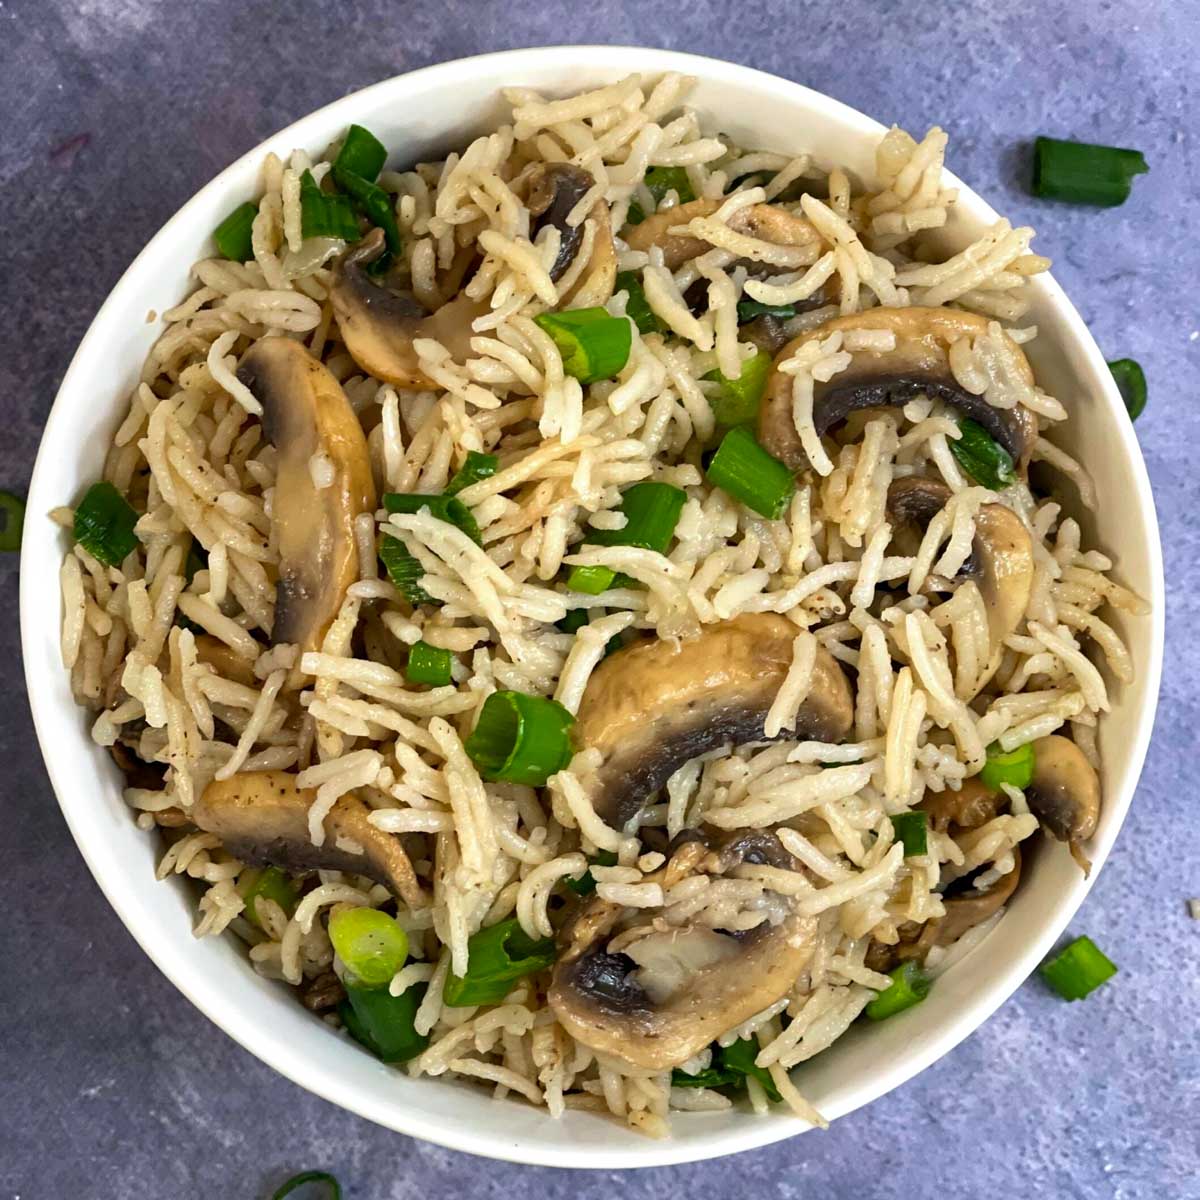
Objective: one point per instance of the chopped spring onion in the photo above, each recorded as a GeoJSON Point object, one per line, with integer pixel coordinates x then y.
{"type": "Point", "coordinates": [593, 345]}
{"type": "Point", "coordinates": [325, 214]}
{"type": "Point", "coordinates": [748, 473]}
{"type": "Point", "coordinates": [371, 944]}
{"type": "Point", "coordinates": [1131, 383]}
{"type": "Point", "coordinates": [335, 1189]}
{"type": "Point", "coordinates": [266, 883]}
{"type": "Point", "coordinates": [383, 1023]}
{"type": "Point", "coordinates": [591, 581]}
{"type": "Point", "coordinates": [738, 400]}
{"type": "Point", "coordinates": [651, 512]}
{"type": "Point", "coordinates": [104, 524]}
{"type": "Point", "coordinates": [585, 885]}
{"type": "Point", "coordinates": [13, 508]}
{"type": "Point", "coordinates": [404, 570]}
{"type": "Point", "coordinates": [982, 457]}
{"type": "Point", "coordinates": [1083, 173]}
{"type": "Point", "coordinates": [730, 1067]}
{"type": "Point", "coordinates": [637, 307]}
{"type": "Point", "coordinates": [912, 830]}
{"type": "Point", "coordinates": [910, 985]}
{"type": "Point", "coordinates": [1079, 970]}
{"type": "Point", "coordinates": [362, 153]}
{"type": "Point", "coordinates": [661, 180]}
{"type": "Point", "coordinates": [1015, 768]}
{"type": "Point", "coordinates": [573, 622]}
{"type": "Point", "coordinates": [428, 664]}
{"type": "Point", "coordinates": [496, 958]}
{"type": "Point", "coordinates": [475, 467]}
{"type": "Point", "coordinates": [749, 310]}
{"type": "Point", "coordinates": [233, 234]}
{"type": "Point", "coordinates": [520, 738]}
{"type": "Point", "coordinates": [374, 204]}
{"type": "Point", "coordinates": [445, 508]}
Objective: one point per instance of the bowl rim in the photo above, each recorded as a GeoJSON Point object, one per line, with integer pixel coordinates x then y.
{"type": "Point", "coordinates": [204, 993]}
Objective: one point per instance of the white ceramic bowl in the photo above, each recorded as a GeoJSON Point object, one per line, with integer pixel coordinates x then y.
{"type": "Point", "coordinates": [420, 116]}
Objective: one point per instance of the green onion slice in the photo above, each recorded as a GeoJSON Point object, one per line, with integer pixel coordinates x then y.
{"type": "Point", "coordinates": [383, 1023]}
{"type": "Point", "coordinates": [1083, 173]}
{"type": "Point", "coordinates": [637, 307]}
{"type": "Point", "coordinates": [371, 944]}
{"type": "Point", "coordinates": [445, 508]}
{"type": "Point", "coordinates": [738, 400]}
{"type": "Point", "coordinates": [496, 958]}
{"type": "Point", "coordinates": [651, 513]}
{"type": "Point", "coordinates": [475, 467]}
{"type": "Point", "coordinates": [749, 310]}
{"type": "Point", "coordinates": [912, 829]}
{"type": "Point", "coordinates": [269, 883]}
{"type": "Point", "coordinates": [428, 664]}
{"type": "Point", "coordinates": [585, 885]}
{"type": "Point", "coordinates": [661, 180]}
{"type": "Point", "coordinates": [910, 985]}
{"type": "Point", "coordinates": [13, 508]}
{"type": "Point", "coordinates": [404, 570]}
{"type": "Point", "coordinates": [362, 154]}
{"type": "Point", "coordinates": [591, 581]}
{"type": "Point", "coordinates": [233, 234]}
{"type": "Point", "coordinates": [325, 214]}
{"type": "Point", "coordinates": [1014, 767]}
{"type": "Point", "coordinates": [374, 203]}
{"type": "Point", "coordinates": [1131, 383]}
{"type": "Point", "coordinates": [335, 1189]}
{"type": "Point", "coordinates": [982, 457]}
{"type": "Point", "coordinates": [574, 621]}
{"type": "Point", "coordinates": [730, 1067]}
{"type": "Point", "coordinates": [593, 344]}
{"type": "Point", "coordinates": [748, 473]}
{"type": "Point", "coordinates": [1079, 970]}
{"type": "Point", "coordinates": [520, 738]}
{"type": "Point", "coordinates": [104, 524]}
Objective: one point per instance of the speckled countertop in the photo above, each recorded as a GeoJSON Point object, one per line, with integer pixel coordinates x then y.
{"type": "Point", "coordinates": [113, 112]}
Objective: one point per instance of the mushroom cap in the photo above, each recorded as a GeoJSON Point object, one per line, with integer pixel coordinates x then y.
{"type": "Point", "coordinates": [306, 413]}
{"type": "Point", "coordinates": [667, 995]}
{"type": "Point", "coordinates": [968, 807]}
{"type": "Point", "coordinates": [1065, 792]}
{"type": "Point", "coordinates": [261, 817]}
{"type": "Point", "coordinates": [658, 703]}
{"type": "Point", "coordinates": [918, 365]}
{"type": "Point", "coordinates": [972, 908]}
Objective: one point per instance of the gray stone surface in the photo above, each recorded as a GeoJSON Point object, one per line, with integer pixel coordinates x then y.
{"type": "Point", "coordinates": [113, 112]}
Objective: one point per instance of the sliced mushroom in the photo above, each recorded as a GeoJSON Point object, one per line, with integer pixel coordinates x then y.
{"type": "Point", "coordinates": [379, 325]}
{"type": "Point", "coordinates": [767, 222]}
{"type": "Point", "coordinates": [554, 190]}
{"type": "Point", "coordinates": [968, 807]}
{"type": "Point", "coordinates": [667, 994]}
{"type": "Point", "coordinates": [657, 704]}
{"type": "Point", "coordinates": [225, 660]}
{"type": "Point", "coordinates": [1001, 560]}
{"type": "Point", "coordinates": [970, 908]}
{"type": "Point", "coordinates": [308, 420]}
{"type": "Point", "coordinates": [919, 365]}
{"type": "Point", "coordinates": [261, 817]}
{"type": "Point", "coordinates": [1065, 794]}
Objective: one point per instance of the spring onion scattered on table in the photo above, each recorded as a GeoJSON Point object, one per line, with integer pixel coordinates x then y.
{"type": "Point", "coordinates": [362, 154]}
{"type": "Point", "coordinates": [1083, 173]}
{"type": "Point", "coordinates": [912, 829]}
{"type": "Point", "coordinates": [335, 1190]}
{"type": "Point", "coordinates": [104, 524]}
{"type": "Point", "coordinates": [383, 1023]}
{"type": "Point", "coordinates": [428, 664]}
{"type": "Point", "coordinates": [444, 507]}
{"type": "Point", "coordinates": [910, 985]}
{"type": "Point", "coordinates": [496, 958]}
{"type": "Point", "coordinates": [1131, 383]}
{"type": "Point", "coordinates": [269, 883]}
{"type": "Point", "coordinates": [13, 508]}
{"type": "Point", "coordinates": [520, 738]}
{"type": "Point", "coordinates": [982, 457]}
{"type": "Point", "coordinates": [403, 570]}
{"type": "Point", "coordinates": [325, 214]}
{"type": "Point", "coordinates": [1078, 970]}
{"type": "Point", "coordinates": [593, 345]}
{"type": "Point", "coordinates": [370, 943]}
{"type": "Point", "coordinates": [233, 234]}
{"type": "Point", "coordinates": [475, 467]}
{"type": "Point", "coordinates": [637, 307]}
{"type": "Point", "coordinates": [748, 473]}
{"type": "Point", "coordinates": [738, 400]}
{"type": "Point", "coordinates": [1015, 767]}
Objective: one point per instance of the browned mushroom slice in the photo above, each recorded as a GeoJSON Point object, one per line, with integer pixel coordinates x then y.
{"type": "Point", "coordinates": [225, 660]}
{"type": "Point", "coordinates": [1065, 794]}
{"type": "Point", "coordinates": [668, 993]}
{"type": "Point", "coordinates": [968, 807]}
{"type": "Point", "coordinates": [309, 421]}
{"type": "Point", "coordinates": [1001, 560]}
{"type": "Point", "coordinates": [379, 325]}
{"type": "Point", "coordinates": [767, 222]}
{"type": "Point", "coordinates": [261, 817]}
{"type": "Point", "coordinates": [919, 365]}
{"type": "Point", "coordinates": [970, 908]}
{"type": "Point", "coordinates": [657, 704]}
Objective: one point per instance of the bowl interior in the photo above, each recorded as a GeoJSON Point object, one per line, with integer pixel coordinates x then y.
{"type": "Point", "coordinates": [422, 115]}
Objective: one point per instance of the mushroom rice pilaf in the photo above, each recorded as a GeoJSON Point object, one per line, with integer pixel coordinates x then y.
{"type": "Point", "coordinates": [592, 613]}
